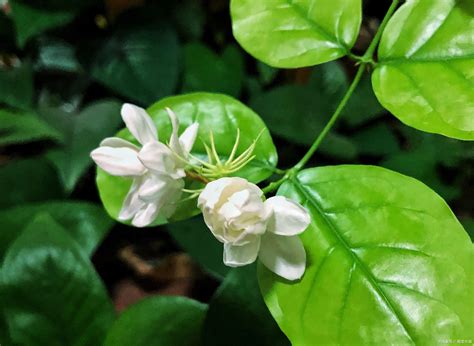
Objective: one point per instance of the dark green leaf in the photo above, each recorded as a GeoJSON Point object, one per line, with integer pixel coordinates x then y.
{"type": "Point", "coordinates": [50, 291]}
{"type": "Point", "coordinates": [194, 238]}
{"type": "Point", "coordinates": [82, 133]}
{"type": "Point", "coordinates": [238, 316]}
{"type": "Point", "coordinates": [266, 73]}
{"type": "Point", "coordinates": [55, 54]}
{"type": "Point", "coordinates": [159, 321]}
{"type": "Point", "coordinates": [16, 86]}
{"type": "Point", "coordinates": [376, 140]}
{"type": "Point", "coordinates": [387, 263]}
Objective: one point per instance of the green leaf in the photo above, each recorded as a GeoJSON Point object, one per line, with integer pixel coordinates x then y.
{"type": "Point", "coordinates": [85, 222]}
{"type": "Point", "coordinates": [387, 263]}
{"type": "Point", "coordinates": [291, 34]}
{"type": "Point", "coordinates": [221, 114]}
{"type": "Point", "coordinates": [206, 71]}
{"type": "Point", "coordinates": [16, 86]}
{"type": "Point", "coordinates": [56, 54]}
{"type": "Point", "coordinates": [298, 113]}
{"type": "Point", "coordinates": [424, 76]}
{"type": "Point", "coordinates": [30, 180]}
{"type": "Point", "coordinates": [195, 239]}
{"type": "Point", "coordinates": [24, 127]}
{"type": "Point", "coordinates": [31, 21]}
{"type": "Point", "coordinates": [55, 5]}
{"type": "Point", "coordinates": [378, 139]}
{"type": "Point", "coordinates": [51, 294]}
{"type": "Point", "coordinates": [237, 314]}
{"type": "Point", "coordinates": [139, 62]}
{"type": "Point", "coordinates": [266, 73]}
{"type": "Point", "coordinates": [82, 133]}
{"type": "Point", "coordinates": [160, 321]}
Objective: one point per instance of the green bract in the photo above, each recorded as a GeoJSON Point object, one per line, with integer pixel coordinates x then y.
{"type": "Point", "coordinates": [288, 34]}
{"type": "Point", "coordinates": [388, 263]}
{"type": "Point", "coordinates": [222, 115]}
{"type": "Point", "coordinates": [425, 74]}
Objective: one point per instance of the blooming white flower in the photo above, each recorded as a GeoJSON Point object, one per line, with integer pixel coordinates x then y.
{"type": "Point", "coordinates": [249, 227]}
{"type": "Point", "coordinates": [155, 168]}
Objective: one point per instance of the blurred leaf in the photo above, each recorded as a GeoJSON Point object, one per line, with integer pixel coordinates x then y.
{"type": "Point", "coordinates": [24, 127]}
{"type": "Point", "coordinates": [56, 5]}
{"type": "Point", "coordinates": [266, 73]}
{"type": "Point", "coordinates": [378, 139]}
{"type": "Point", "coordinates": [139, 62]}
{"type": "Point", "coordinates": [50, 291]}
{"type": "Point", "coordinates": [217, 112]}
{"type": "Point", "coordinates": [194, 238]}
{"type": "Point", "coordinates": [82, 132]}
{"type": "Point", "coordinates": [86, 222]}
{"type": "Point", "coordinates": [159, 321]}
{"type": "Point", "coordinates": [237, 314]}
{"type": "Point", "coordinates": [206, 71]}
{"type": "Point", "coordinates": [55, 54]}
{"type": "Point", "coordinates": [299, 113]}
{"type": "Point", "coordinates": [296, 34]}
{"type": "Point", "coordinates": [16, 86]}
{"type": "Point", "coordinates": [30, 180]}
{"type": "Point", "coordinates": [190, 18]}
{"type": "Point", "coordinates": [31, 21]}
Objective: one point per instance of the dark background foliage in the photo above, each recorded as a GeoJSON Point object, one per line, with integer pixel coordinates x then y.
{"type": "Point", "coordinates": [65, 68]}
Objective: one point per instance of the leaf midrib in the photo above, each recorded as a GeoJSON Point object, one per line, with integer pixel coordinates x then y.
{"type": "Point", "coordinates": [366, 271]}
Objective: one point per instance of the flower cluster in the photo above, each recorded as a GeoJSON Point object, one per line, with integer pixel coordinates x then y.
{"type": "Point", "coordinates": [234, 209]}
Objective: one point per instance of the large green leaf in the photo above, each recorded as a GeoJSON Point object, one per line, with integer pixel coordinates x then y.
{"type": "Point", "coordinates": [85, 222]}
{"type": "Point", "coordinates": [194, 237]}
{"type": "Point", "coordinates": [140, 62]}
{"type": "Point", "coordinates": [51, 294]}
{"type": "Point", "coordinates": [387, 263]}
{"type": "Point", "coordinates": [82, 133]}
{"type": "Point", "coordinates": [425, 74]}
{"type": "Point", "coordinates": [159, 321]}
{"type": "Point", "coordinates": [221, 114]}
{"type": "Point", "coordinates": [288, 34]}
{"type": "Point", "coordinates": [238, 316]}
{"type": "Point", "coordinates": [16, 86]}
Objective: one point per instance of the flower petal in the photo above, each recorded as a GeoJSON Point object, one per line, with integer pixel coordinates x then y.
{"type": "Point", "coordinates": [145, 216]}
{"type": "Point", "coordinates": [160, 159]}
{"type": "Point", "coordinates": [132, 203]}
{"type": "Point", "coordinates": [216, 192]}
{"type": "Point", "coordinates": [118, 161]}
{"type": "Point", "coordinates": [175, 145]}
{"type": "Point", "coordinates": [288, 217]}
{"type": "Point", "coordinates": [236, 256]}
{"type": "Point", "coordinates": [188, 137]}
{"type": "Point", "coordinates": [139, 123]}
{"type": "Point", "coordinates": [284, 256]}
{"type": "Point", "coordinates": [116, 142]}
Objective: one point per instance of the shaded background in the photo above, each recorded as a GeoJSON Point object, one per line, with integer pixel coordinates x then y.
{"type": "Point", "coordinates": [65, 69]}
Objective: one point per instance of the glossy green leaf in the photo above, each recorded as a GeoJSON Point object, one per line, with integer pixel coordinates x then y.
{"type": "Point", "coordinates": [16, 86]}
{"type": "Point", "coordinates": [24, 127]}
{"type": "Point", "coordinates": [82, 133]}
{"type": "Point", "coordinates": [141, 62]}
{"type": "Point", "coordinates": [387, 263]}
{"type": "Point", "coordinates": [25, 181]}
{"type": "Point", "coordinates": [206, 71]}
{"type": "Point", "coordinates": [51, 294]}
{"type": "Point", "coordinates": [85, 222]}
{"type": "Point", "coordinates": [237, 314]}
{"type": "Point", "coordinates": [221, 114]}
{"type": "Point", "coordinates": [424, 76]}
{"type": "Point", "coordinates": [31, 21]}
{"type": "Point", "coordinates": [194, 237]}
{"type": "Point", "coordinates": [159, 321]}
{"type": "Point", "coordinates": [300, 33]}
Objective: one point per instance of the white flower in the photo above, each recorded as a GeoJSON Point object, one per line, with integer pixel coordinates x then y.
{"type": "Point", "coordinates": [156, 171]}
{"type": "Point", "coordinates": [249, 227]}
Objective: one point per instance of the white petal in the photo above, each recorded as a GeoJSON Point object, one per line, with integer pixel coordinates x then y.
{"type": "Point", "coordinates": [161, 189]}
{"type": "Point", "coordinates": [188, 137]}
{"type": "Point", "coordinates": [284, 256]}
{"type": "Point", "coordinates": [118, 161]}
{"type": "Point", "coordinates": [288, 217]}
{"type": "Point", "coordinates": [132, 203]}
{"type": "Point", "coordinates": [139, 123]}
{"type": "Point", "coordinates": [116, 142]}
{"type": "Point", "coordinates": [175, 145]}
{"type": "Point", "coordinates": [145, 216]}
{"type": "Point", "coordinates": [158, 158]}
{"type": "Point", "coordinates": [236, 256]}
{"type": "Point", "coordinates": [213, 192]}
